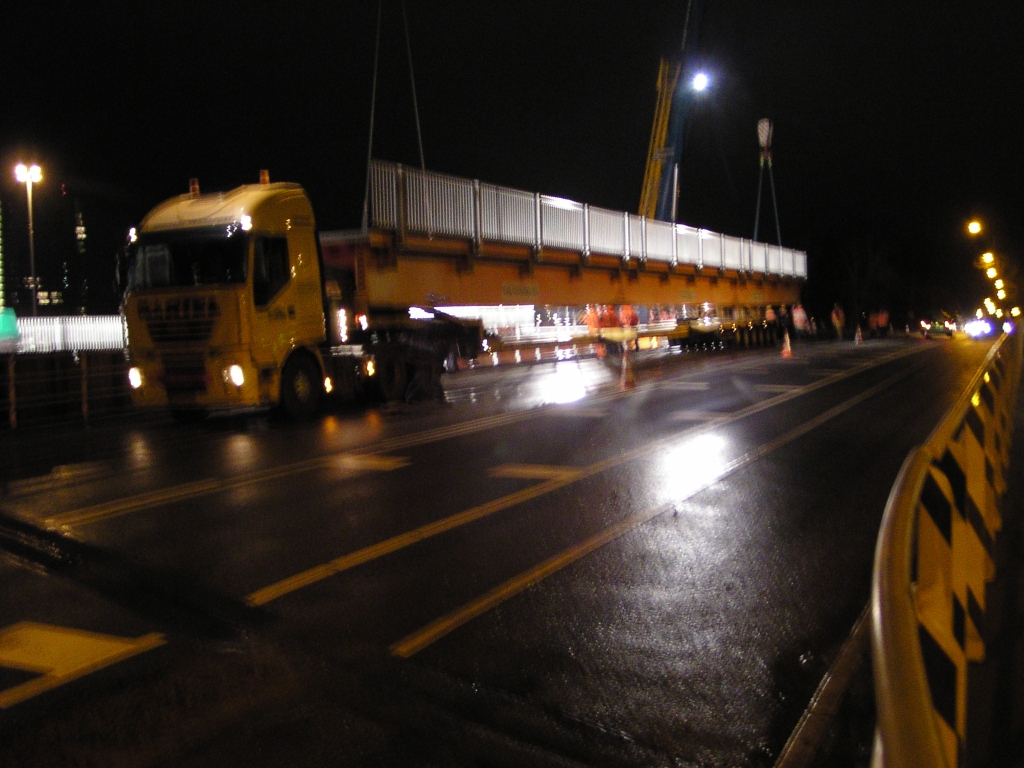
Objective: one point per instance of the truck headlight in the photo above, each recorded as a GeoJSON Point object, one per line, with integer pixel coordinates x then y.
{"type": "Point", "coordinates": [235, 375]}
{"type": "Point", "coordinates": [134, 377]}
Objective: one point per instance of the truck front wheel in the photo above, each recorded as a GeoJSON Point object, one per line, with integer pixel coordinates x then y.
{"type": "Point", "coordinates": [393, 377]}
{"type": "Point", "coordinates": [301, 388]}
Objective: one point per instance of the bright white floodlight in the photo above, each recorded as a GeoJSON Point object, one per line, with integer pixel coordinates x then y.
{"type": "Point", "coordinates": [700, 82]}
{"type": "Point", "coordinates": [23, 174]}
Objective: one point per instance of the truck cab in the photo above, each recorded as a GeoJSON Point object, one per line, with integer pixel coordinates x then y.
{"type": "Point", "coordinates": [224, 302]}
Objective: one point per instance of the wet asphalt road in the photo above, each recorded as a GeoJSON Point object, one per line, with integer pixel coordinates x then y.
{"type": "Point", "coordinates": [546, 570]}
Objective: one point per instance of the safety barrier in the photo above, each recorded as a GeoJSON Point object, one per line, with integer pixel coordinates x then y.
{"type": "Point", "coordinates": [934, 557]}
{"type": "Point", "coordinates": [410, 200]}
{"type": "Point", "coordinates": [62, 386]}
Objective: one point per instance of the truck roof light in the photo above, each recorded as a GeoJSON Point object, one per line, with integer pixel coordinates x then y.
{"type": "Point", "coordinates": [264, 176]}
{"type": "Point", "coordinates": [193, 187]}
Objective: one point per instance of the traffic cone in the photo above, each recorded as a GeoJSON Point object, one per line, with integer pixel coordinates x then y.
{"type": "Point", "coordinates": [858, 338]}
{"type": "Point", "coordinates": [627, 380]}
{"type": "Point", "coordinates": [787, 350]}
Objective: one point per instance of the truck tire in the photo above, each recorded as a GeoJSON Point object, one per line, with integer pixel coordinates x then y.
{"type": "Point", "coordinates": [301, 388]}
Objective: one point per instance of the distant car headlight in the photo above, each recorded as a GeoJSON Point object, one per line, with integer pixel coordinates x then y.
{"type": "Point", "coordinates": [977, 328]}
{"type": "Point", "coordinates": [134, 377]}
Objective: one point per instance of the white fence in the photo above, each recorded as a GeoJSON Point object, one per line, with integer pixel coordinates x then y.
{"type": "Point", "coordinates": [70, 334]}
{"type": "Point", "coordinates": [432, 203]}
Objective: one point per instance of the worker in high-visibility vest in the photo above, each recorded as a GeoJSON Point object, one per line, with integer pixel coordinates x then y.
{"type": "Point", "coordinates": [628, 318]}
{"type": "Point", "coordinates": [593, 321]}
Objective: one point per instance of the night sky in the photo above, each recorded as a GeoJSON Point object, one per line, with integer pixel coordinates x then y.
{"type": "Point", "coordinates": [895, 123]}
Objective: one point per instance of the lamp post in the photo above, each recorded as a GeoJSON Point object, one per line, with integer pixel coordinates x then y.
{"type": "Point", "coordinates": [30, 176]}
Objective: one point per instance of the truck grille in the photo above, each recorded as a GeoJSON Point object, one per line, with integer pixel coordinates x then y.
{"type": "Point", "coordinates": [184, 373]}
{"type": "Point", "coordinates": [179, 319]}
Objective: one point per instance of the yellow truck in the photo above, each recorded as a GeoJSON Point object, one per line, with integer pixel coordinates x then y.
{"type": "Point", "coordinates": [230, 306]}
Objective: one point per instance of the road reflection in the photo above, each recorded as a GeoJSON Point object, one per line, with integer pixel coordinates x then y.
{"type": "Point", "coordinates": [690, 465]}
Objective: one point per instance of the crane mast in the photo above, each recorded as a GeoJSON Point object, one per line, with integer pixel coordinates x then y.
{"type": "Point", "coordinates": [661, 177]}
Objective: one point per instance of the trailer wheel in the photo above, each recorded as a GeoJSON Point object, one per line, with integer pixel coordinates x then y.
{"type": "Point", "coordinates": [393, 377]}
{"type": "Point", "coordinates": [451, 360]}
{"type": "Point", "coordinates": [301, 388]}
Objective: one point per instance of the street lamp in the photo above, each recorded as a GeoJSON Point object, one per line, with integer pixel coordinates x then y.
{"type": "Point", "coordinates": [974, 227]}
{"type": "Point", "coordinates": [30, 176]}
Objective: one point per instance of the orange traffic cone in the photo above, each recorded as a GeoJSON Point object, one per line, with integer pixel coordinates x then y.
{"type": "Point", "coordinates": [787, 350]}
{"type": "Point", "coordinates": [627, 380]}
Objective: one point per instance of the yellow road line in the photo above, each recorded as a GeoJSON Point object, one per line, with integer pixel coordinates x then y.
{"type": "Point", "coordinates": [112, 509]}
{"type": "Point", "coordinates": [135, 503]}
{"type": "Point", "coordinates": [532, 471]}
{"type": "Point", "coordinates": [117, 508]}
{"type": "Point", "coordinates": [420, 639]}
{"type": "Point", "coordinates": [395, 543]}
{"type": "Point", "coordinates": [425, 636]}
{"type": "Point", "coordinates": [61, 654]}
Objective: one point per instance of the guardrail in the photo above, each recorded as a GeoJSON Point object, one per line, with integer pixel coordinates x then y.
{"type": "Point", "coordinates": [407, 199]}
{"type": "Point", "coordinates": [934, 557]}
{"type": "Point", "coordinates": [62, 386]}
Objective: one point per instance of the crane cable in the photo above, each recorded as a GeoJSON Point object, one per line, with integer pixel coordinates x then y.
{"type": "Point", "coordinates": [412, 80]}
{"type": "Point", "coordinates": [373, 107]}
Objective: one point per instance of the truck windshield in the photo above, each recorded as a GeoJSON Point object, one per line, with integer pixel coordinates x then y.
{"type": "Point", "coordinates": [208, 256]}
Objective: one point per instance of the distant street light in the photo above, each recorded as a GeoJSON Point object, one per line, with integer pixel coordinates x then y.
{"type": "Point", "coordinates": [700, 82]}
{"type": "Point", "coordinates": [974, 227]}
{"type": "Point", "coordinates": [30, 176]}
{"type": "Point", "coordinates": [991, 272]}
{"type": "Point", "coordinates": [987, 258]}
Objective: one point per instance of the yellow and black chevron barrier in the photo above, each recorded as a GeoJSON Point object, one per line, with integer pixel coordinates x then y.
{"type": "Point", "coordinates": [934, 557]}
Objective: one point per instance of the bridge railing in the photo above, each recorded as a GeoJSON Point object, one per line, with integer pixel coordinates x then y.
{"type": "Point", "coordinates": [410, 200]}
{"type": "Point", "coordinates": [934, 557]}
{"type": "Point", "coordinates": [71, 333]}
{"type": "Point", "coordinates": [63, 367]}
